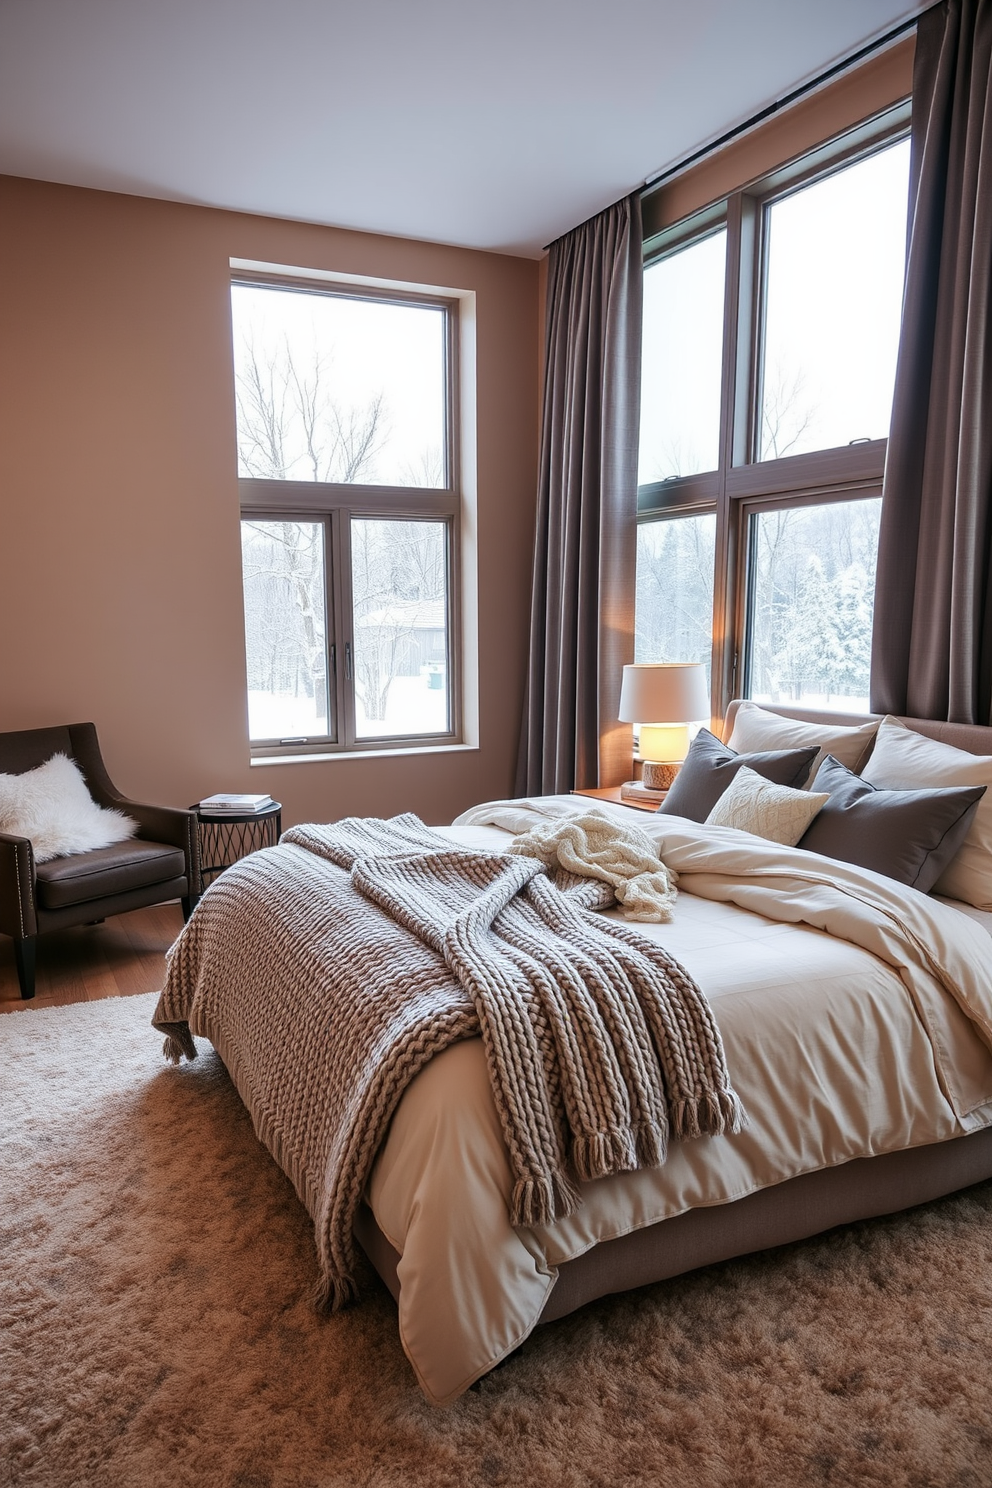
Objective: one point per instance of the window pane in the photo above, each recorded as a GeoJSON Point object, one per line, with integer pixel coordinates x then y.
{"type": "Point", "coordinates": [813, 587]}
{"type": "Point", "coordinates": [336, 389]}
{"type": "Point", "coordinates": [400, 595]}
{"type": "Point", "coordinates": [285, 631]}
{"type": "Point", "coordinates": [674, 601]}
{"type": "Point", "coordinates": [836, 258]}
{"type": "Point", "coordinates": [680, 361]}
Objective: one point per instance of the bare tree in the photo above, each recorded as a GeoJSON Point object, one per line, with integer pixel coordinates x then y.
{"type": "Point", "coordinates": [398, 590]}
{"type": "Point", "coordinates": [785, 415]}
{"type": "Point", "coordinates": [283, 566]}
{"type": "Point", "coordinates": [678, 456]}
{"type": "Point", "coordinates": [427, 472]}
{"type": "Point", "coordinates": [290, 417]}
{"type": "Point", "coordinates": [292, 425]}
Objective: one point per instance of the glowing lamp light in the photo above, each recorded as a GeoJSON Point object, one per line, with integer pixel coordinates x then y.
{"type": "Point", "coordinates": [664, 697]}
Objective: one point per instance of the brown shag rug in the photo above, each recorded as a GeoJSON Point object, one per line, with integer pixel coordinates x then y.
{"type": "Point", "coordinates": [156, 1328]}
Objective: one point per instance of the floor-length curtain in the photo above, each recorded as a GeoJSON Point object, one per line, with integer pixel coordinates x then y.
{"type": "Point", "coordinates": [932, 650]}
{"type": "Point", "coordinates": [582, 612]}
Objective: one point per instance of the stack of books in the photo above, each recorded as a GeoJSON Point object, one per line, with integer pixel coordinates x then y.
{"type": "Point", "coordinates": [639, 794]}
{"type": "Point", "coordinates": [234, 805]}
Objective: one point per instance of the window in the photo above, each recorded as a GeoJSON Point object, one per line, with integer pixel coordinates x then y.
{"type": "Point", "coordinates": [812, 570]}
{"type": "Point", "coordinates": [400, 603]}
{"type": "Point", "coordinates": [771, 327]}
{"type": "Point", "coordinates": [349, 505]}
{"type": "Point", "coordinates": [681, 362]}
{"type": "Point", "coordinates": [833, 296]}
{"type": "Point", "coordinates": [675, 590]}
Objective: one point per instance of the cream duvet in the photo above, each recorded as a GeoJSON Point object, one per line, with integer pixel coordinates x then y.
{"type": "Point", "coordinates": [856, 1017]}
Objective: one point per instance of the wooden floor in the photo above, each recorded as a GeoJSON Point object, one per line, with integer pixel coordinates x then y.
{"type": "Point", "coordinates": [123, 955]}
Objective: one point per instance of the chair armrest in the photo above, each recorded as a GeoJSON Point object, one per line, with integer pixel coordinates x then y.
{"type": "Point", "coordinates": [155, 823]}
{"type": "Point", "coordinates": [167, 824]}
{"type": "Point", "coordinates": [17, 912]}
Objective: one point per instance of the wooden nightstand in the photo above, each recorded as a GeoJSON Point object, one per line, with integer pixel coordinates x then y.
{"type": "Point", "coordinates": [612, 793]}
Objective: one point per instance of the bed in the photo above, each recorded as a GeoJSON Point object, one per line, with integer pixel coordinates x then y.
{"type": "Point", "coordinates": [857, 1021]}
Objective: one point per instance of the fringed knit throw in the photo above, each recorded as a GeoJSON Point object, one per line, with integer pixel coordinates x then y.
{"type": "Point", "coordinates": [329, 970]}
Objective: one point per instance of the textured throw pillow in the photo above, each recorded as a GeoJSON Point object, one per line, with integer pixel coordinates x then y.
{"type": "Point", "coordinates": [710, 767]}
{"type": "Point", "coordinates": [775, 812]}
{"type": "Point", "coordinates": [910, 835]}
{"type": "Point", "coordinates": [52, 806]}
{"type": "Point", "coordinates": [756, 728]}
{"type": "Point", "coordinates": [905, 760]}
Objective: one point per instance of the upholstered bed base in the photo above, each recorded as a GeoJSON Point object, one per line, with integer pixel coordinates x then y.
{"type": "Point", "coordinates": [862, 1189]}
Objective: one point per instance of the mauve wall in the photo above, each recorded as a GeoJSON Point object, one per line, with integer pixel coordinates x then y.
{"type": "Point", "coordinates": [120, 585]}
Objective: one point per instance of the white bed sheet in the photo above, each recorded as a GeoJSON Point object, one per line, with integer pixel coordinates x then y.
{"type": "Point", "coordinates": [826, 1047]}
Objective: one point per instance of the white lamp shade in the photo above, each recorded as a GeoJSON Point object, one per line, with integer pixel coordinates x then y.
{"type": "Point", "coordinates": [664, 693]}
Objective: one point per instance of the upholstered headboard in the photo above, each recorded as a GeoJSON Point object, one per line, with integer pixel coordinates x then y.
{"type": "Point", "coordinates": [973, 737]}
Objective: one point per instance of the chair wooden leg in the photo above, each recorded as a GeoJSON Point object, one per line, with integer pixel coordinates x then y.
{"type": "Point", "coordinates": [189, 903]}
{"type": "Point", "coordinates": [24, 956]}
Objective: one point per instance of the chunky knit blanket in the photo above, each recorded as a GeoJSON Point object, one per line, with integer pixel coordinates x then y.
{"type": "Point", "coordinates": [329, 970]}
{"type": "Point", "coordinates": [592, 846]}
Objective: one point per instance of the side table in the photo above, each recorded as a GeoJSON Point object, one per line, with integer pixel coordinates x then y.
{"type": "Point", "coordinates": [612, 793]}
{"type": "Point", "coordinates": [226, 837]}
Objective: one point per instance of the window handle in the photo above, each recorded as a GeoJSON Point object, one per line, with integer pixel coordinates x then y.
{"type": "Point", "coordinates": [347, 661]}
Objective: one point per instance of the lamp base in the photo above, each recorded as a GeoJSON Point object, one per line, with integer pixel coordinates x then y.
{"type": "Point", "coordinates": [659, 775]}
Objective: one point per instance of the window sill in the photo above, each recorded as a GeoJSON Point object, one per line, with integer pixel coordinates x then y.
{"type": "Point", "coordinates": [361, 754]}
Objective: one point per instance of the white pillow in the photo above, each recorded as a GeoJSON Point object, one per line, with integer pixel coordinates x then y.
{"type": "Point", "coordinates": [52, 806]}
{"type": "Point", "coordinates": [756, 728]}
{"type": "Point", "coordinates": [776, 812]}
{"type": "Point", "coordinates": [905, 760]}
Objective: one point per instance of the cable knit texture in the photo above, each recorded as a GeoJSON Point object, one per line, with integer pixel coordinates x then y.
{"type": "Point", "coordinates": [621, 856]}
{"type": "Point", "coordinates": [776, 812]}
{"type": "Point", "coordinates": [340, 962]}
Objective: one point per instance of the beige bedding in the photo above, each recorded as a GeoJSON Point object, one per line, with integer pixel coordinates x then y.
{"type": "Point", "coordinates": [857, 1019]}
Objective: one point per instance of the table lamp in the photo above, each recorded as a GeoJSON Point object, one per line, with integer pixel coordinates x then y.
{"type": "Point", "coordinates": [664, 697]}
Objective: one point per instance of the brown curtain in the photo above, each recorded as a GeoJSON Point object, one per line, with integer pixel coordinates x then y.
{"type": "Point", "coordinates": [932, 649]}
{"type": "Point", "coordinates": [582, 611]}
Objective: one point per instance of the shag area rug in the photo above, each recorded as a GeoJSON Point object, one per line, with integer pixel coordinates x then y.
{"type": "Point", "coordinates": [156, 1327]}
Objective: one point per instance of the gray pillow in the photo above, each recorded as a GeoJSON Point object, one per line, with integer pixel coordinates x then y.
{"type": "Point", "coordinates": [910, 835]}
{"type": "Point", "coordinates": [710, 767]}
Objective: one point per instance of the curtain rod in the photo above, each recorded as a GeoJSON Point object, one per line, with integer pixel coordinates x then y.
{"type": "Point", "coordinates": [789, 98]}
{"type": "Point", "coordinates": [766, 113]}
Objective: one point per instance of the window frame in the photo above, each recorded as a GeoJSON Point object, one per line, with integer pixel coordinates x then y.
{"type": "Point", "coordinates": [336, 504]}
{"type": "Point", "coordinates": [742, 484]}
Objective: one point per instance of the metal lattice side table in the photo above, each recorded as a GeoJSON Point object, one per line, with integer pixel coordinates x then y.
{"type": "Point", "coordinates": [224, 838]}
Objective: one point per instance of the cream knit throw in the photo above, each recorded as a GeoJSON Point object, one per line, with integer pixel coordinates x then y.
{"type": "Point", "coordinates": [594, 847]}
{"type": "Point", "coordinates": [329, 970]}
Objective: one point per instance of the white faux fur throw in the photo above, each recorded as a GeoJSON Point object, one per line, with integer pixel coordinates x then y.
{"type": "Point", "coordinates": [52, 806]}
{"type": "Point", "coordinates": [593, 847]}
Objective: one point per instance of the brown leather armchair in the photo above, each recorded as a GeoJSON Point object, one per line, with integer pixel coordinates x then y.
{"type": "Point", "coordinates": [161, 862]}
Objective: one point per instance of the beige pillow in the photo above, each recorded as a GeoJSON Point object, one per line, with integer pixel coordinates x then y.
{"type": "Point", "coordinates": [905, 760]}
{"type": "Point", "coordinates": [776, 812]}
{"type": "Point", "coordinates": [756, 728]}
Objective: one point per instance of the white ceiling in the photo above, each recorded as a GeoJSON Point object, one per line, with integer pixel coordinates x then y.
{"type": "Point", "coordinates": [489, 123]}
